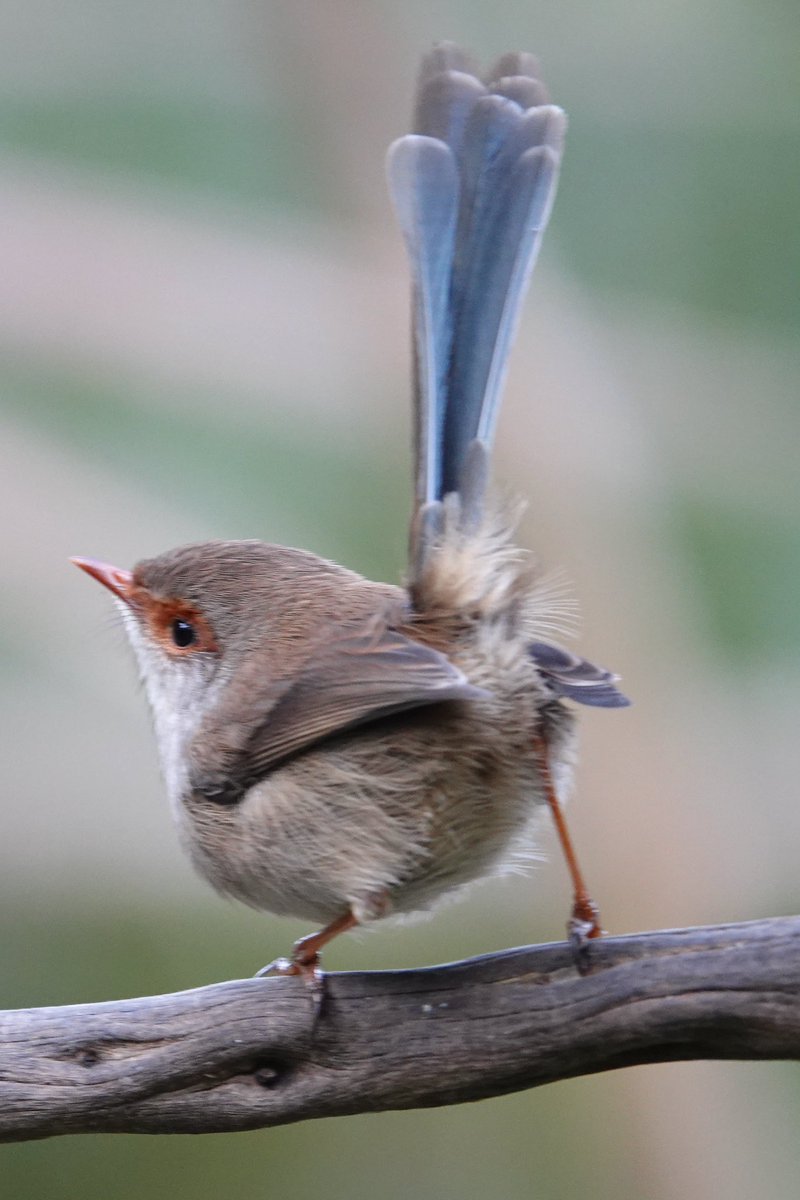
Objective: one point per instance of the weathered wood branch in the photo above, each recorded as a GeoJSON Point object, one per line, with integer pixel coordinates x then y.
{"type": "Point", "coordinates": [247, 1054]}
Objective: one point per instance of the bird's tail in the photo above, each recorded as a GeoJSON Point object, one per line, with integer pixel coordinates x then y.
{"type": "Point", "coordinates": [473, 186]}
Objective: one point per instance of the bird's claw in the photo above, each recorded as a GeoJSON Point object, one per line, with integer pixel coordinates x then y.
{"type": "Point", "coordinates": [310, 972]}
{"type": "Point", "coordinates": [582, 928]}
{"type": "Point", "coordinates": [278, 966]}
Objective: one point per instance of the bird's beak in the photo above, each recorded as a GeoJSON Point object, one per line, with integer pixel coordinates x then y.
{"type": "Point", "coordinates": [117, 580]}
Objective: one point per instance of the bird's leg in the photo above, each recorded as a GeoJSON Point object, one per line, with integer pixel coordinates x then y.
{"type": "Point", "coordinates": [305, 952]}
{"type": "Point", "coordinates": [584, 923]}
{"type": "Point", "coordinates": [305, 956]}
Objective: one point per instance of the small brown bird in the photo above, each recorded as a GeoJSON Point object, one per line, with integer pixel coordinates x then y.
{"type": "Point", "coordinates": [341, 750]}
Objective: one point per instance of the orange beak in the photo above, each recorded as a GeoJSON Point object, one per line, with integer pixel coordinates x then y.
{"type": "Point", "coordinates": [117, 580]}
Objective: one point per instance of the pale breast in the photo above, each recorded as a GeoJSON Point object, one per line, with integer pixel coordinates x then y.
{"type": "Point", "coordinates": [414, 807]}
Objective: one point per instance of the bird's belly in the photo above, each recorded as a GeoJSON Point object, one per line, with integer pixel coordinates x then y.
{"type": "Point", "coordinates": [407, 810]}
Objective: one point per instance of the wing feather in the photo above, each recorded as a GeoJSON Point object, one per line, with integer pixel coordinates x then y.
{"type": "Point", "coordinates": [576, 678]}
{"type": "Point", "coordinates": [358, 675]}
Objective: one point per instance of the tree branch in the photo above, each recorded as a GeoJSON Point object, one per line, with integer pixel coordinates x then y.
{"type": "Point", "coordinates": [247, 1054]}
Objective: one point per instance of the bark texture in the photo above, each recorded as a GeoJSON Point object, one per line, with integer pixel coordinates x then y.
{"type": "Point", "coordinates": [249, 1053]}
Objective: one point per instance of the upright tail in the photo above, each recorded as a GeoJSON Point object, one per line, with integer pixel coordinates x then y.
{"type": "Point", "coordinates": [472, 186]}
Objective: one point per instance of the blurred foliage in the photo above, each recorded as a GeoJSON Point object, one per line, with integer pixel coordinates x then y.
{"type": "Point", "coordinates": [241, 154]}
{"type": "Point", "coordinates": [746, 567]}
{"type": "Point", "coordinates": [733, 248]}
{"type": "Point", "coordinates": [233, 470]}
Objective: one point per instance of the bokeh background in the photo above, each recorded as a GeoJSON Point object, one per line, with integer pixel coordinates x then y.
{"type": "Point", "coordinates": [203, 333]}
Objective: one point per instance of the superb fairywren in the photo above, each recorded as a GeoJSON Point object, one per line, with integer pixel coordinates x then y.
{"type": "Point", "coordinates": [337, 749]}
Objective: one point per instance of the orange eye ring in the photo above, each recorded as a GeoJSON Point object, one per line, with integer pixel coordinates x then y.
{"type": "Point", "coordinates": [177, 626]}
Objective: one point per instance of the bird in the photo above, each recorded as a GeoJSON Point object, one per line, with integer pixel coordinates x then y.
{"type": "Point", "coordinates": [341, 750]}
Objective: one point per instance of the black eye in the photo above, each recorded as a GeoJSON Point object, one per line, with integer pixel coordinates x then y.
{"type": "Point", "coordinates": [183, 633]}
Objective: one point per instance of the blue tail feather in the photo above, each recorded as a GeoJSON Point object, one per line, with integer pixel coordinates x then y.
{"type": "Point", "coordinates": [473, 188]}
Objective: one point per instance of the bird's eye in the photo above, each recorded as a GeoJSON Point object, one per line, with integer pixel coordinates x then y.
{"type": "Point", "coordinates": [183, 633]}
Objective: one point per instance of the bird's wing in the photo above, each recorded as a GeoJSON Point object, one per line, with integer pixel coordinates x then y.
{"type": "Point", "coordinates": [358, 675]}
{"type": "Point", "coordinates": [576, 678]}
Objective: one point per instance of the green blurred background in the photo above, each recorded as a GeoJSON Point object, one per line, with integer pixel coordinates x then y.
{"type": "Point", "coordinates": [203, 333]}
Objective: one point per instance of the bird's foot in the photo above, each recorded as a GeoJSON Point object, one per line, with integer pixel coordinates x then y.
{"type": "Point", "coordinates": [305, 960]}
{"type": "Point", "coordinates": [582, 928]}
{"type": "Point", "coordinates": [309, 970]}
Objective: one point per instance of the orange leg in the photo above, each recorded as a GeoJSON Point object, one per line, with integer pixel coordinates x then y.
{"type": "Point", "coordinates": [584, 923]}
{"type": "Point", "coordinates": [305, 956]}
{"type": "Point", "coordinates": [305, 953]}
